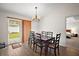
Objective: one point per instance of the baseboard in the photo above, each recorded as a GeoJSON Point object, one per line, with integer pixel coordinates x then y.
{"type": "Point", "coordinates": [64, 45]}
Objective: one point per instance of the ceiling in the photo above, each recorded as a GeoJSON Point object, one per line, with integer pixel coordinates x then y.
{"type": "Point", "coordinates": [27, 9]}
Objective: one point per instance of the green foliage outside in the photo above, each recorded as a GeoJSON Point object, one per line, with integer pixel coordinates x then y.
{"type": "Point", "coordinates": [14, 35]}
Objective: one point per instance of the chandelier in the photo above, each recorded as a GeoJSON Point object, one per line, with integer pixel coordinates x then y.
{"type": "Point", "coordinates": [36, 17]}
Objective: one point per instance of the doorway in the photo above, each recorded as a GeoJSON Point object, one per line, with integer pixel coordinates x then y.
{"type": "Point", "coordinates": [18, 30]}
{"type": "Point", "coordinates": [14, 31]}
{"type": "Point", "coordinates": [72, 31]}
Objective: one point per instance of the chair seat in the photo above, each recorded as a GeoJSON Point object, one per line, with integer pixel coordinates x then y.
{"type": "Point", "coordinates": [40, 45]}
{"type": "Point", "coordinates": [53, 46]}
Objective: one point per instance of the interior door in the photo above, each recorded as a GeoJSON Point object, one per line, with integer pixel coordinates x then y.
{"type": "Point", "coordinates": [26, 28]}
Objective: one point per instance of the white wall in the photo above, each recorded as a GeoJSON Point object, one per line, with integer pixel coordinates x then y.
{"type": "Point", "coordinates": [35, 26]}
{"type": "Point", "coordinates": [55, 19]}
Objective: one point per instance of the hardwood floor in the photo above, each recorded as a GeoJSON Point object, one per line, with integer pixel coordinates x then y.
{"type": "Point", "coordinates": [27, 51]}
{"type": "Point", "coordinates": [73, 42]}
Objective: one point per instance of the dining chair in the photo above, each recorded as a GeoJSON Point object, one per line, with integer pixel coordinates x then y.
{"type": "Point", "coordinates": [49, 35]}
{"type": "Point", "coordinates": [55, 44]}
{"type": "Point", "coordinates": [44, 33]}
{"type": "Point", "coordinates": [39, 43]}
{"type": "Point", "coordinates": [31, 40]}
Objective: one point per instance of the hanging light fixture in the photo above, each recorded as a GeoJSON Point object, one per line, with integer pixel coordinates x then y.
{"type": "Point", "coordinates": [35, 17]}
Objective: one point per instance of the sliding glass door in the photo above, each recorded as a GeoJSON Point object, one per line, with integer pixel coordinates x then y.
{"type": "Point", "coordinates": [14, 31]}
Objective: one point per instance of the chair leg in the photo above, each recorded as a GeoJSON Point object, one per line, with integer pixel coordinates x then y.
{"type": "Point", "coordinates": [35, 48]}
{"type": "Point", "coordinates": [55, 51]}
{"type": "Point", "coordinates": [58, 51]}
{"type": "Point", "coordinates": [50, 51]}
{"type": "Point", "coordinates": [30, 43]}
{"type": "Point", "coordinates": [41, 51]}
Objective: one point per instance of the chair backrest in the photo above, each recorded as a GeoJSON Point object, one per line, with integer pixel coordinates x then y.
{"type": "Point", "coordinates": [49, 34]}
{"type": "Point", "coordinates": [32, 34]}
{"type": "Point", "coordinates": [44, 33]}
{"type": "Point", "coordinates": [38, 36]}
{"type": "Point", "coordinates": [57, 38]}
{"type": "Point", "coordinates": [51, 41]}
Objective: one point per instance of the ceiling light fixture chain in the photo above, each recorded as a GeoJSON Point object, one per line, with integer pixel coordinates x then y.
{"type": "Point", "coordinates": [36, 18]}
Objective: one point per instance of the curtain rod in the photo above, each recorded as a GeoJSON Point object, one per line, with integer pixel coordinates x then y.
{"type": "Point", "coordinates": [14, 18]}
